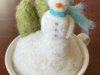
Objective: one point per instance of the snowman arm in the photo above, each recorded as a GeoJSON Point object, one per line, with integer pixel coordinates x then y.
{"type": "Point", "coordinates": [71, 27]}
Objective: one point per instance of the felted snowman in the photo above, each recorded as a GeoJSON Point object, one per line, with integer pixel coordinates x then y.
{"type": "Point", "coordinates": [53, 50]}
{"type": "Point", "coordinates": [56, 22]}
{"type": "Point", "coordinates": [57, 26]}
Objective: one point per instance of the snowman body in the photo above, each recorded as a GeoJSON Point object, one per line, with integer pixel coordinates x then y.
{"type": "Point", "coordinates": [53, 26]}
{"type": "Point", "coordinates": [54, 31]}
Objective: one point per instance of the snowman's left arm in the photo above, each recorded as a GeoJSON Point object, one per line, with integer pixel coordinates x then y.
{"type": "Point", "coordinates": [71, 27]}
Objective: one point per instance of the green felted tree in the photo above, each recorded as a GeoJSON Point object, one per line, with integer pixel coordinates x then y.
{"type": "Point", "coordinates": [27, 18]}
{"type": "Point", "coordinates": [41, 7]}
{"type": "Point", "coordinates": [28, 15]}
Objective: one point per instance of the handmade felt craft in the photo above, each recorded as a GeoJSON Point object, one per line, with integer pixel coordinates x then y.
{"type": "Point", "coordinates": [54, 49]}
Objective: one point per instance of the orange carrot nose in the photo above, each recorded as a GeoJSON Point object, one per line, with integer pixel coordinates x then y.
{"type": "Point", "coordinates": [58, 5]}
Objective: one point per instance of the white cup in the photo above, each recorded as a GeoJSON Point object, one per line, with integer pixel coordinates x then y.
{"type": "Point", "coordinates": [81, 42]}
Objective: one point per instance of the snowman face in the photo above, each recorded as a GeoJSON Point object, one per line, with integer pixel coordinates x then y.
{"type": "Point", "coordinates": [59, 5]}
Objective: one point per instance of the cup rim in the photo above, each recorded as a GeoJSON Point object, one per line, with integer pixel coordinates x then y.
{"type": "Point", "coordinates": [8, 62]}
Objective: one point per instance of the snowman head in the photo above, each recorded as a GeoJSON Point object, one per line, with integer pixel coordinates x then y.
{"type": "Point", "coordinates": [59, 5]}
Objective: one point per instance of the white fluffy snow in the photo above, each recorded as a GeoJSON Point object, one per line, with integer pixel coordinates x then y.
{"type": "Point", "coordinates": [36, 55]}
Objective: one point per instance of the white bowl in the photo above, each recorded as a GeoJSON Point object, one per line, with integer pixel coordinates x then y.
{"type": "Point", "coordinates": [9, 64]}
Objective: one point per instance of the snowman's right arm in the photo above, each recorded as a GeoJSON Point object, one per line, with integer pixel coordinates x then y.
{"type": "Point", "coordinates": [71, 27]}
